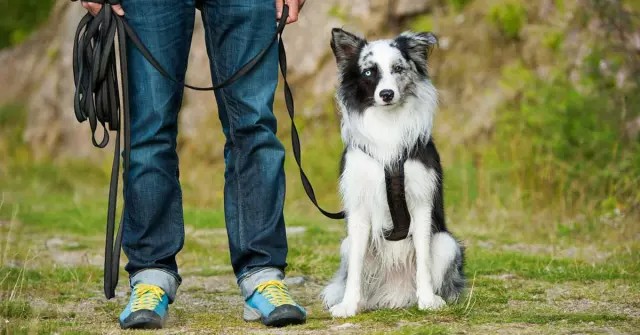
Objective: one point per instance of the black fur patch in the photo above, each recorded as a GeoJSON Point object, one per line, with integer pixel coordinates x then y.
{"type": "Point", "coordinates": [416, 48]}
{"type": "Point", "coordinates": [427, 154]}
{"type": "Point", "coordinates": [356, 89]}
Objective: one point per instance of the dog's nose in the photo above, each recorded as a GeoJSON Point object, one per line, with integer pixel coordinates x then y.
{"type": "Point", "coordinates": [386, 95]}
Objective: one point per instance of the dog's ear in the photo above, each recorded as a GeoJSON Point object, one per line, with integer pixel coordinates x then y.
{"type": "Point", "coordinates": [417, 46]}
{"type": "Point", "coordinates": [345, 45]}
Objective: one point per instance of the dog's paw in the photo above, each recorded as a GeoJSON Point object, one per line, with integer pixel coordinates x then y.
{"type": "Point", "coordinates": [431, 302]}
{"type": "Point", "coordinates": [344, 310]}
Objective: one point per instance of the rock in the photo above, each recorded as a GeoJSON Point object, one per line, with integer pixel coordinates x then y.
{"type": "Point", "coordinates": [296, 230]}
{"type": "Point", "coordinates": [295, 281]}
{"type": "Point", "coordinates": [346, 326]}
{"type": "Point", "coordinates": [632, 128]}
{"type": "Point", "coordinates": [410, 7]}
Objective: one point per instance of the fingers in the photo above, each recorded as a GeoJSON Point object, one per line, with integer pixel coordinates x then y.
{"type": "Point", "coordinates": [279, 5]}
{"type": "Point", "coordinates": [92, 7]}
{"type": "Point", "coordinates": [118, 10]}
{"type": "Point", "coordinates": [294, 7]}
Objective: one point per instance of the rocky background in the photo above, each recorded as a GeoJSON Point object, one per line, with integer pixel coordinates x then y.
{"type": "Point", "coordinates": [40, 72]}
{"type": "Point", "coordinates": [495, 63]}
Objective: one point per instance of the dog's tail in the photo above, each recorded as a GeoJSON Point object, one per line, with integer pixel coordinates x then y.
{"type": "Point", "coordinates": [447, 266]}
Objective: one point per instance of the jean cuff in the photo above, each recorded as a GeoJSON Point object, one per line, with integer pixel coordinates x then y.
{"type": "Point", "coordinates": [161, 278]}
{"type": "Point", "coordinates": [249, 281]}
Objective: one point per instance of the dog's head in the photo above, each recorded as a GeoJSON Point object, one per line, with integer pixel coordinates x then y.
{"type": "Point", "coordinates": [380, 73]}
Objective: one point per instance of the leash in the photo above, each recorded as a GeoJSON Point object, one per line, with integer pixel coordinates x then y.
{"type": "Point", "coordinates": [97, 99]}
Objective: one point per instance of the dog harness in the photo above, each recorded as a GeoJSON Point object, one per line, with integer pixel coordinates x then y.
{"type": "Point", "coordinates": [397, 201]}
{"type": "Point", "coordinates": [396, 198]}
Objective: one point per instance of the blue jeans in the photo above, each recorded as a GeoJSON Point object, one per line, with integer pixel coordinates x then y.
{"type": "Point", "coordinates": [236, 30]}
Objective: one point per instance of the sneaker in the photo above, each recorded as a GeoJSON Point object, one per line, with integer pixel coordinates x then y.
{"type": "Point", "coordinates": [147, 308]}
{"type": "Point", "coordinates": [272, 304]}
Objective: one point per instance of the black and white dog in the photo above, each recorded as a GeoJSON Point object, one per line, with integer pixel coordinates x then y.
{"type": "Point", "coordinates": [387, 104]}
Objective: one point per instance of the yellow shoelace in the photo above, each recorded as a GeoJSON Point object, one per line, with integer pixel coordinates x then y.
{"type": "Point", "coordinates": [146, 297]}
{"type": "Point", "coordinates": [276, 292]}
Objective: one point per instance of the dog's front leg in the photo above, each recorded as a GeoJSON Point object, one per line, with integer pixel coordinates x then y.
{"type": "Point", "coordinates": [358, 234]}
{"type": "Point", "coordinates": [427, 299]}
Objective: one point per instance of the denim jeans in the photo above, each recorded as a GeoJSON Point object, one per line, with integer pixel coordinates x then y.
{"type": "Point", "coordinates": [236, 30]}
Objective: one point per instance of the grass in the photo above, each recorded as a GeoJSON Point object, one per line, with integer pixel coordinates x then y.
{"type": "Point", "coordinates": [509, 288]}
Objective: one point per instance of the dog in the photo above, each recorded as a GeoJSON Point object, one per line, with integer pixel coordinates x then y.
{"type": "Point", "coordinates": [387, 104]}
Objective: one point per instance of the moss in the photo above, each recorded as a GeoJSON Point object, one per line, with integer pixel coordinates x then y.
{"type": "Point", "coordinates": [458, 5]}
{"type": "Point", "coordinates": [338, 12]}
{"type": "Point", "coordinates": [554, 40]}
{"type": "Point", "coordinates": [509, 18]}
{"type": "Point", "coordinates": [422, 23]}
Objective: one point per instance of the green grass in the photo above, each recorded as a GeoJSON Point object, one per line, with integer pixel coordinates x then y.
{"type": "Point", "coordinates": [43, 293]}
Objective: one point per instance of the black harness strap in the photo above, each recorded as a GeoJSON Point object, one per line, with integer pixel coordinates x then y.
{"type": "Point", "coordinates": [97, 99]}
{"type": "Point", "coordinates": [394, 180]}
{"type": "Point", "coordinates": [396, 197]}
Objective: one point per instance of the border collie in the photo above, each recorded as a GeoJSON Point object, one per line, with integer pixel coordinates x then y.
{"type": "Point", "coordinates": [387, 104]}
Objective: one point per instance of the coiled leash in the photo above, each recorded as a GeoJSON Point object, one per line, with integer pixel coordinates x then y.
{"type": "Point", "coordinates": [97, 99]}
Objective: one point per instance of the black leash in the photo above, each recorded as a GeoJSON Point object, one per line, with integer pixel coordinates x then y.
{"type": "Point", "coordinates": [97, 99]}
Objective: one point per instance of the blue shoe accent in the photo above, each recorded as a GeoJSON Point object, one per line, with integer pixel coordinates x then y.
{"type": "Point", "coordinates": [147, 308]}
{"type": "Point", "coordinates": [272, 304]}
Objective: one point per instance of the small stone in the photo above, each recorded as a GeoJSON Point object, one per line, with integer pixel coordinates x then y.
{"type": "Point", "coordinates": [346, 326]}
{"type": "Point", "coordinates": [296, 230]}
{"type": "Point", "coordinates": [295, 281]}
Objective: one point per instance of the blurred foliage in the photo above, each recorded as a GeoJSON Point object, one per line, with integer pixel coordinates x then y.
{"type": "Point", "coordinates": [12, 124]}
{"type": "Point", "coordinates": [564, 132]}
{"type": "Point", "coordinates": [458, 5]}
{"type": "Point", "coordinates": [338, 12]}
{"type": "Point", "coordinates": [422, 23]}
{"type": "Point", "coordinates": [509, 18]}
{"type": "Point", "coordinates": [19, 18]}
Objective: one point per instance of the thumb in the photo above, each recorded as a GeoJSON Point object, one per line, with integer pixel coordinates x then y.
{"type": "Point", "coordinates": [118, 9]}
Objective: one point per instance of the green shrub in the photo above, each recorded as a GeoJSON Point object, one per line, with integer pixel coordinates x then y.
{"type": "Point", "coordinates": [18, 19]}
{"type": "Point", "coordinates": [422, 23]}
{"type": "Point", "coordinates": [568, 137]}
{"type": "Point", "coordinates": [509, 18]}
{"type": "Point", "coordinates": [458, 5]}
{"type": "Point", "coordinates": [338, 12]}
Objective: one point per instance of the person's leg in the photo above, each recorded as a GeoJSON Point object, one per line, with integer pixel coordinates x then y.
{"type": "Point", "coordinates": [236, 30]}
{"type": "Point", "coordinates": [153, 230]}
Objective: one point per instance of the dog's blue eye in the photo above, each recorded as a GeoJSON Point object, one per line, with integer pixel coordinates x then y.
{"type": "Point", "coordinates": [367, 73]}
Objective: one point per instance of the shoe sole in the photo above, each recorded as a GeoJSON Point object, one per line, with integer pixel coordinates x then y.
{"type": "Point", "coordinates": [285, 315]}
{"type": "Point", "coordinates": [143, 321]}
{"type": "Point", "coordinates": [283, 322]}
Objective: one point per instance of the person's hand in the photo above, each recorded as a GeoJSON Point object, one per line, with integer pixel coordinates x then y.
{"type": "Point", "coordinates": [294, 9]}
{"type": "Point", "coordinates": [94, 8]}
